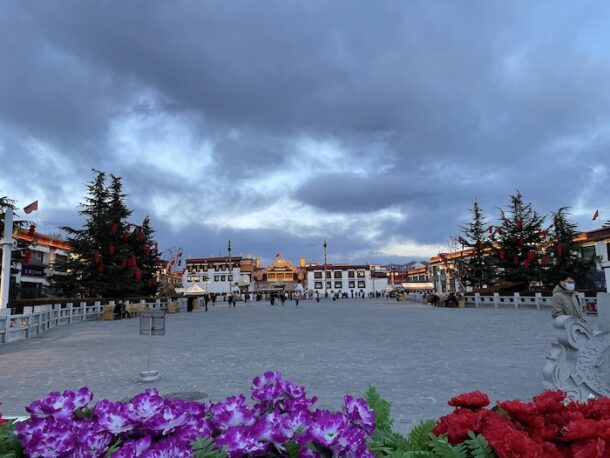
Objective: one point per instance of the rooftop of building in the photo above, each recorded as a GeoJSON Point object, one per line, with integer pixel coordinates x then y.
{"type": "Point", "coordinates": [51, 241]}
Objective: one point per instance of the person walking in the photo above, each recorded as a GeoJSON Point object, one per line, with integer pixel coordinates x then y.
{"type": "Point", "coordinates": [283, 299]}
{"type": "Point", "coordinates": [296, 300]}
{"type": "Point", "coordinates": [565, 300]}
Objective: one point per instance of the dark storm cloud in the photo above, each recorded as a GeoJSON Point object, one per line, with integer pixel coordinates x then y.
{"type": "Point", "coordinates": [416, 107]}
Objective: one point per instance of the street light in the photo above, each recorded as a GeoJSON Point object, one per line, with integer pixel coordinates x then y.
{"type": "Point", "coordinates": [230, 269]}
{"type": "Point", "coordinates": [325, 279]}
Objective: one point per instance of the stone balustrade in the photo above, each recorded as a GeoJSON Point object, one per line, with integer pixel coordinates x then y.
{"type": "Point", "coordinates": [517, 301]}
{"type": "Point", "coordinates": [40, 318]}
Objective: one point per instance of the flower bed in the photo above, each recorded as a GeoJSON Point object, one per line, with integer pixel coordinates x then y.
{"type": "Point", "coordinates": [282, 422]}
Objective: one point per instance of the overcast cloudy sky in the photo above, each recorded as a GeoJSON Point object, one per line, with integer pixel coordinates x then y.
{"type": "Point", "coordinates": [279, 123]}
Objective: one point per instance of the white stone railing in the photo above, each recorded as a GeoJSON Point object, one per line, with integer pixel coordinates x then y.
{"type": "Point", "coordinates": [495, 300]}
{"type": "Point", "coordinates": [40, 318]}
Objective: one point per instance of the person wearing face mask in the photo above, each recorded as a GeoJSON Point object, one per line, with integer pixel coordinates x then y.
{"type": "Point", "coordinates": [565, 300]}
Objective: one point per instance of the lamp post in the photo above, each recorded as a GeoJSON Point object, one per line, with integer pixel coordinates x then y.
{"type": "Point", "coordinates": [7, 247]}
{"type": "Point", "coordinates": [230, 270]}
{"type": "Point", "coordinates": [325, 279]}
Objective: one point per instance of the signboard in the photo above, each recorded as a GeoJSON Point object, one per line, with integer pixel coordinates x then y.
{"type": "Point", "coordinates": [152, 322]}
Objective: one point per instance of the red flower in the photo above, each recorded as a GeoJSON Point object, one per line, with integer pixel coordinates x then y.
{"type": "Point", "coordinates": [457, 425]}
{"type": "Point", "coordinates": [517, 408]}
{"type": "Point", "coordinates": [474, 400]}
{"type": "Point", "coordinates": [580, 429]}
{"type": "Point", "coordinates": [600, 409]}
{"type": "Point", "coordinates": [593, 448]}
{"type": "Point", "coordinates": [516, 444]}
{"type": "Point", "coordinates": [2, 420]}
{"type": "Point", "coordinates": [549, 401]}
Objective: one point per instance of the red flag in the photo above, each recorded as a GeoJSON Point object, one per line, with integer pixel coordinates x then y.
{"type": "Point", "coordinates": [595, 216]}
{"type": "Point", "coordinates": [30, 208]}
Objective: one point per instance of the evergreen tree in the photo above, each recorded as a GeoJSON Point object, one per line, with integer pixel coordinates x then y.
{"type": "Point", "coordinates": [147, 257]}
{"type": "Point", "coordinates": [477, 269]}
{"type": "Point", "coordinates": [110, 257]}
{"type": "Point", "coordinates": [517, 253]}
{"type": "Point", "coordinates": [117, 253]}
{"type": "Point", "coordinates": [85, 268]}
{"type": "Point", "coordinates": [563, 253]}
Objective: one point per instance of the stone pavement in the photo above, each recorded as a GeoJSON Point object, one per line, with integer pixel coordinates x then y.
{"type": "Point", "coordinates": [417, 356]}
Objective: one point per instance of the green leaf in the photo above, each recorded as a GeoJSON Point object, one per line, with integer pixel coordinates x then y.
{"type": "Point", "coordinates": [478, 446]}
{"type": "Point", "coordinates": [419, 438]}
{"type": "Point", "coordinates": [292, 449]}
{"type": "Point", "coordinates": [443, 449]}
{"type": "Point", "coordinates": [204, 447]}
{"type": "Point", "coordinates": [381, 407]}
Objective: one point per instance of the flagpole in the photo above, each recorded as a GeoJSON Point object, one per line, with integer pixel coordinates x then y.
{"type": "Point", "coordinates": [7, 248]}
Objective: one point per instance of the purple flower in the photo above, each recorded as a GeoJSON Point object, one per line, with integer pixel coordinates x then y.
{"type": "Point", "coordinates": [292, 390]}
{"type": "Point", "coordinates": [327, 427]}
{"type": "Point", "coordinates": [267, 387]}
{"type": "Point", "coordinates": [168, 448]}
{"type": "Point", "coordinates": [274, 428]}
{"type": "Point", "coordinates": [298, 421]}
{"type": "Point", "coordinates": [232, 412]}
{"type": "Point", "coordinates": [56, 405]}
{"type": "Point", "coordinates": [239, 441]}
{"type": "Point", "coordinates": [42, 438]}
{"type": "Point", "coordinates": [359, 414]}
{"type": "Point", "coordinates": [92, 438]}
{"type": "Point", "coordinates": [113, 417]}
{"type": "Point", "coordinates": [167, 420]}
{"type": "Point", "coordinates": [133, 448]}
{"type": "Point", "coordinates": [144, 405]}
{"type": "Point", "coordinates": [82, 397]}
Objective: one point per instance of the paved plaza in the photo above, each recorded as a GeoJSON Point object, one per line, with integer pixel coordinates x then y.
{"type": "Point", "coordinates": [417, 356]}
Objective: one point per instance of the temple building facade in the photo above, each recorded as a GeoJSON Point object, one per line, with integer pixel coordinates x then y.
{"type": "Point", "coordinates": [351, 279]}
{"type": "Point", "coordinates": [220, 275]}
{"type": "Point", "coordinates": [281, 275]}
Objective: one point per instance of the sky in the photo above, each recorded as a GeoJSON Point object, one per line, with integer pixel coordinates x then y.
{"type": "Point", "coordinates": [280, 123]}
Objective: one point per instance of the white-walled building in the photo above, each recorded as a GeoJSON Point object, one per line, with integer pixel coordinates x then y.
{"type": "Point", "coordinates": [219, 275]}
{"type": "Point", "coordinates": [47, 254]}
{"type": "Point", "coordinates": [353, 279]}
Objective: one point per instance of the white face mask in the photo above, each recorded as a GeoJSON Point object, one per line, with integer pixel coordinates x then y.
{"type": "Point", "coordinates": [569, 285]}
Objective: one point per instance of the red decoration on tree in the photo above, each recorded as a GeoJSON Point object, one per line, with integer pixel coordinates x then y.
{"type": "Point", "coordinates": [111, 249]}
{"type": "Point", "coordinates": [125, 234]}
{"type": "Point", "coordinates": [520, 241]}
{"type": "Point", "coordinates": [490, 229]}
{"type": "Point", "coordinates": [559, 249]}
{"type": "Point", "coordinates": [137, 274]}
{"type": "Point", "coordinates": [100, 268]}
{"type": "Point", "coordinates": [124, 263]}
{"type": "Point", "coordinates": [502, 255]}
{"type": "Point", "coordinates": [140, 234]}
{"type": "Point", "coordinates": [97, 258]}
{"type": "Point", "coordinates": [145, 249]}
{"type": "Point", "coordinates": [518, 224]}
{"type": "Point", "coordinates": [149, 283]}
{"type": "Point", "coordinates": [531, 256]}
{"type": "Point", "coordinates": [32, 230]}
{"type": "Point", "coordinates": [482, 246]}
{"type": "Point", "coordinates": [172, 262]}
{"type": "Point", "coordinates": [179, 263]}
{"type": "Point", "coordinates": [526, 264]}
{"type": "Point", "coordinates": [516, 260]}
{"type": "Point", "coordinates": [27, 256]}
{"type": "Point", "coordinates": [133, 261]}
{"type": "Point", "coordinates": [545, 261]}
{"type": "Point", "coordinates": [114, 228]}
